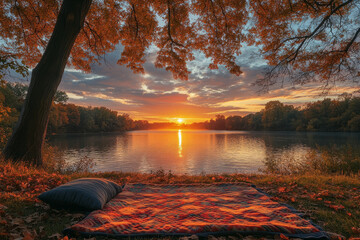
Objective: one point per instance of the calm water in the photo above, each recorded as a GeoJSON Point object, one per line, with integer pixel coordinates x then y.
{"type": "Point", "coordinates": [193, 151]}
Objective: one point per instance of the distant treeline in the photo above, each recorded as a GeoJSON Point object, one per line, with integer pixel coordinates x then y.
{"type": "Point", "coordinates": [64, 118]}
{"type": "Point", "coordinates": [342, 114]}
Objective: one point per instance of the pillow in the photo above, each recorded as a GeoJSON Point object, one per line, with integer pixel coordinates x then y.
{"type": "Point", "coordinates": [82, 194]}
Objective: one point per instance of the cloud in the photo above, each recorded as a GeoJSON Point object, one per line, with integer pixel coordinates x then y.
{"type": "Point", "coordinates": [157, 96]}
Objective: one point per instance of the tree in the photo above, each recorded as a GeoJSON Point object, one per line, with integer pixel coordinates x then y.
{"type": "Point", "coordinates": [9, 62]}
{"type": "Point", "coordinates": [73, 116]}
{"type": "Point", "coordinates": [133, 23]}
{"type": "Point", "coordinates": [277, 116]}
{"type": "Point", "coordinates": [13, 94]}
{"type": "Point", "coordinates": [58, 117]}
{"type": "Point", "coordinates": [220, 122]}
{"type": "Point", "coordinates": [87, 122]}
{"type": "Point", "coordinates": [27, 139]}
{"type": "Point", "coordinates": [61, 97]}
{"type": "Point", "coordinates": [354, 123]}
{"type": "Point", "coordinates": [306, 41]}
{"type": "Point", "coordinates": [140, 124]}
{"type": "Point", "coordinates": [234, 123]}
{"type": "Point", "coordinates": [126, 123]}
{"type": "Point", "coordinates": [4, 113]}
{"type": "Point", "coordinates": [215, 27]}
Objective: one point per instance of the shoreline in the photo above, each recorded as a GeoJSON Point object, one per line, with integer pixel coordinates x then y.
{"type": "Point", "coordinates": [331, 201]}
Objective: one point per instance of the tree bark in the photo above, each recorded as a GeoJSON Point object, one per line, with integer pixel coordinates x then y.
{"type": "Point", "coordinates": [27, 140]}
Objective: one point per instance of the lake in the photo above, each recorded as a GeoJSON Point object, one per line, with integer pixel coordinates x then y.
{"type": "Point", "coordinates": [194, 151]}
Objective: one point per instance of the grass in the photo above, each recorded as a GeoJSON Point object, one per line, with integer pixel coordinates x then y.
{"type": "Point", "coordinates": [331, 201]}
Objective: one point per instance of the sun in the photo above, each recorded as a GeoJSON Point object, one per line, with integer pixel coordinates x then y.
{"type": "Point", "coordinates": [180, 120]}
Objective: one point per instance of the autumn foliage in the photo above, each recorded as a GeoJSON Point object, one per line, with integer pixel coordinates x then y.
{"type": "Point", "coordinates": [331, 201]}
{"type": "Point", "coordinates": [218, 32]}
{"type": "Point", "coordinates": [302, 41]}
{"type": "Point", "coordinates": [307, 41]}
{"type": "Point", "coordinates": [26, 183]}
{"type": "Point", "coordinates": [312, 40]}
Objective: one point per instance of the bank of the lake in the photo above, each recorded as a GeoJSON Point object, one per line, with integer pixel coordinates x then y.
{"type": "Point", "coordinates": [196, 151]}
{"type": "Point", "coordinates": [331, 201]}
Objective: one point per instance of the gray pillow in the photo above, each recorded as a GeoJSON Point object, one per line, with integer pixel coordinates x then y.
{"type": "Point", "coordinates": [86, 194]}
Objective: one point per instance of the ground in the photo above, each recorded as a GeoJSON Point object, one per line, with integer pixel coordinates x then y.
{"type": "Point", "coordinates": [331, 201]}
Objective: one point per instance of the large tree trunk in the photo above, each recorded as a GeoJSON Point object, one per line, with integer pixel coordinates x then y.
{"type": "Point", "coordinates": [27, 139]}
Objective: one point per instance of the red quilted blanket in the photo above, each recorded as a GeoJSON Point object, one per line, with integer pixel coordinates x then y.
{"type": "Point", "coordinates": [194, 209]}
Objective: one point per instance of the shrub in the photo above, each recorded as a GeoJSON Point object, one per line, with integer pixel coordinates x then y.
{"type": "Point", "coordinates": [54, 162]}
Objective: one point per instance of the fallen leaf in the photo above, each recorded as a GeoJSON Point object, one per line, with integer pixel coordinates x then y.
{"type": "Point", "coordinates": [275, 198]}
{"type": "Point", "coordinates": [324, 193]}
{"type": "Point", "coordinates": [355, 230]}
{"type": "Point", "coordinates": [337, 207]}
{"type": "Point", "coordinates": [3, 221]}
{"type": "Point", "coordinates": [28, 236]}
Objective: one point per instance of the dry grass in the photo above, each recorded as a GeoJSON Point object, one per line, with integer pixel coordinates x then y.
{"type": "Point", "coordinates": [332, 201]}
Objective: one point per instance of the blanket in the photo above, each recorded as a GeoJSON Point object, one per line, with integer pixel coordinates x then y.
{"type": "Point", "coordinates": [145, 209]}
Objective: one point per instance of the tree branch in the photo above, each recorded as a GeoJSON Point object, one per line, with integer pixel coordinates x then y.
{"type": "Point", "coordinates": [172, 41]}
{"type": "Point", "coordinates": [289, 58]}
{"type": "Point", "coordinates": [136, 21]}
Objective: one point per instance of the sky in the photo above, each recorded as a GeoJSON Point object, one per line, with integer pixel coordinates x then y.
{"type": "Point", "coordinates": [157, 97]}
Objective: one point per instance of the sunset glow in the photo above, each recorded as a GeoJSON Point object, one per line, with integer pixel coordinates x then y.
{"type": "Point", "coordinates": [160, 95]}
{"type": "Point", "coordinates": [195, 100]}
{"type": "Point", "coordinates": [180, 144]}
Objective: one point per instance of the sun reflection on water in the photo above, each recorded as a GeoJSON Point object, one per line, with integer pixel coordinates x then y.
{"type": "Point", "coordinates": [180, 143]}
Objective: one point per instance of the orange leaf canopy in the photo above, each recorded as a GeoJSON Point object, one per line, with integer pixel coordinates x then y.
{"type": "Point", "coordinates": [176, 27]}
{"type": "Point", "coordinates": [312, 40]}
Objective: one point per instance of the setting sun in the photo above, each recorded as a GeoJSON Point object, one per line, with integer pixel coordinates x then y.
{"type": "Point", "coordinates": [180, 120]}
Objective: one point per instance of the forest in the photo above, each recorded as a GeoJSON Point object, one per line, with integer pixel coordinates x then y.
{"type": "Point", "coordinates": [64, 117]}
{"type": "Point", "coordinates": [341, 114]}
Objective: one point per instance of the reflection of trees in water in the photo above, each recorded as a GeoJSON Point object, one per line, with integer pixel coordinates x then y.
{"type": "Point", "coordinates": [310, 139]}
{"type": "Point", "coordinates": [94, 142]}
{"type": "Point", "coordinates": [343, 159]}
{"type": "Point", "coordinates": [125, 141]}
{"type": "Point", "coordinates": [220, 140]}
{"type": "Point", "coordinates": [285, 152]}
{"type": "Point", "coordinates": [285, 160]}
{"type": "Point", "coordinates": [233, 141]}
{"type": "Point", "coordinates": [290, 152]}
{"type": "Point", "coordinates": [208, 150]}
